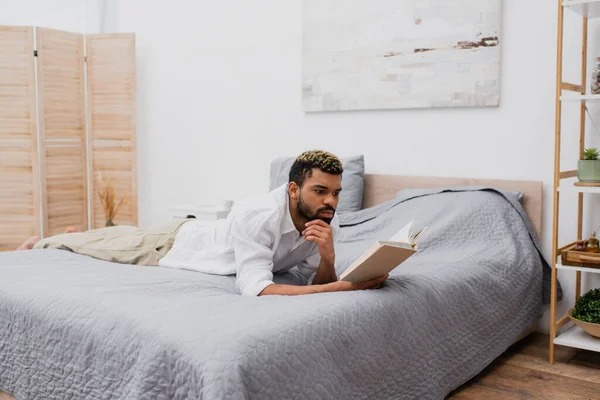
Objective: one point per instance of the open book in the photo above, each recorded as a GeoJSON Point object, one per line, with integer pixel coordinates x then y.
{"type": "Point", "coordinates": [384, 256]}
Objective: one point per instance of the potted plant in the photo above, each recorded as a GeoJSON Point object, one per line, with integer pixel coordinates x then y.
{"type": "Point", "coordinates": [588, 168]}
{"type": "Point", "coordinates": [586, 312]}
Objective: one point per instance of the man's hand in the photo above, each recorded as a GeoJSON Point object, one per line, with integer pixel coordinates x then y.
{"type": "Point", "coordinates": [337, 286]}
{"type": "Point", "coordinates": [319, 232]}
{"type": "Point", "coordinates": [340, 286]}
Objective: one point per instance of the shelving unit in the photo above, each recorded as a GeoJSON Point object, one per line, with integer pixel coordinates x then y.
{"type": "Point", "coordinates": [563, 331]}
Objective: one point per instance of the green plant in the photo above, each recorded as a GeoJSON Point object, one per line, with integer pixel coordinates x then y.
{"type": "Point", "coordinates": [587, 308]}
{"type": "Point", "coordinates": [590, 154]}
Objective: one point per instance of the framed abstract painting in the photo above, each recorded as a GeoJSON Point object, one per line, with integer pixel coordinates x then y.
{"type": "Point", "coordinates": [393, 54]}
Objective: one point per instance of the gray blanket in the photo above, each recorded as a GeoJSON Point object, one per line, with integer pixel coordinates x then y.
{"type": "Point", "coordinates": [72, 327]}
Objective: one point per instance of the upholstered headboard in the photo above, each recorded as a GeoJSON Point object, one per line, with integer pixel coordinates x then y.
{"type": "Point", "coordinates": [380, 188]}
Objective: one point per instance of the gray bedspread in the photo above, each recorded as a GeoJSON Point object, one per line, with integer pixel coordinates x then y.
{"type": "Point", "coordinates": [72, 327]}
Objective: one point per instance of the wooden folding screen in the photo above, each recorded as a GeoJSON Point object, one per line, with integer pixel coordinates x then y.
{"type": "Point", "coordinates": [61, 108]}
{"type": "Point", "coordinates": [19, 181]}
{"type": "Point", "coordinates": [43, 190]}
{"type": "Point", "coordinates": [111, 99]}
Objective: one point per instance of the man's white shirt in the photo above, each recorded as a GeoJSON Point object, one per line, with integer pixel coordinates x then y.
{"type": "Point", "coordinates": [257, 239]}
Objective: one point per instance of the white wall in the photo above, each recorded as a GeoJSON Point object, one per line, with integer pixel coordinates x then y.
{"type": "Point", "coordinates": [219, 86]}
{"type": "Point", "coordinates": [82, 16]}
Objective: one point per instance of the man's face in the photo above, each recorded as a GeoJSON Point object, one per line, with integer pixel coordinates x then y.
{"type": "Point", "coordinates": [319, 196]}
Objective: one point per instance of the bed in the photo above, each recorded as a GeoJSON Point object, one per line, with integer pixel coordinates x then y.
{"type": "Point", "coordinates": [72, 327]}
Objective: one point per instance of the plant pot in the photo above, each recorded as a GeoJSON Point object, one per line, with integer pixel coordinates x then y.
{"type": "Point", "coordinates": [588, 170]}
{"type": "Point", "coordinates": [592, 329]}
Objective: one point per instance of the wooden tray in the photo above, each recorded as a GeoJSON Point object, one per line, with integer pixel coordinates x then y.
{"type": "Point", "coordinates": [569, 256]}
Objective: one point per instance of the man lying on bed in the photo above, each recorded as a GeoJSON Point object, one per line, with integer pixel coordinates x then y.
{"type": "Point", "coordinates": [293, 225]}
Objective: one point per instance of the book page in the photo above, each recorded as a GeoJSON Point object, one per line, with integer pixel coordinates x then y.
{"type": "Point", "coordinates": [403, 234]}
{"type": "Point", "coordinates": [401, 245]}
{"type": "Point", "coordinates": [415, 237]}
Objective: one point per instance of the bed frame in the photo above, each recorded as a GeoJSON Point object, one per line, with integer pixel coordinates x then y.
{"type": "Point", "coordinates": [381, 188]}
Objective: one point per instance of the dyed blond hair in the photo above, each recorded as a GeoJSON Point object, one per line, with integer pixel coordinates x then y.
{"type": "Point", "coordinates": [305, 162]}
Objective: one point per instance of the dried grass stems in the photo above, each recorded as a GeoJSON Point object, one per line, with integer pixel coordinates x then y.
{"type": "Point", "coordinates": [107, 196]}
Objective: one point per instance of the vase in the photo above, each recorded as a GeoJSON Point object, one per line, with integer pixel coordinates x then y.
{"type": "Point", "coordinates": [109, 223]}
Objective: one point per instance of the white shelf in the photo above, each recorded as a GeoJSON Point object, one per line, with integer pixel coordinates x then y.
{"type": "Point", "coordinates": [585, 8]}
{"type": "Point", "coordinates": [574, 336]}
{"type": "Point", "coordinates": [579, 97]}
{"type": "Point", "coordinates": [582, 269]}
{"type": "Point", "coordinates": [579, 189]}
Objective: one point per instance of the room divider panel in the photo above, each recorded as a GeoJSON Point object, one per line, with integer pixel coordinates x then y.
{"type": "Point", "coordinates": [55, 138]}
{"type": "Point", "coordinates": [61, 108]}
{"type": "Point", "coordinates": [111, 96]}
{"type": "Point", "coordinates": [19, 171]}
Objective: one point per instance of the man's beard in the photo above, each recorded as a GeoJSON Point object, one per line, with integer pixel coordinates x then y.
{"type": "Point", "coordinates": [303, 210]}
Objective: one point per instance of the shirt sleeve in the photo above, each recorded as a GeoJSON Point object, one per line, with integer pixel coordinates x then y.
{"type": "Point", "coordinates": [253, 256]}
{"type": "Point", "coordinates": [308, 267]}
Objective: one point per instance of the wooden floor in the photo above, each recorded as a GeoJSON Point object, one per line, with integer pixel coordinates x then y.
{"type": "Point", "coordinates": [523, 372]}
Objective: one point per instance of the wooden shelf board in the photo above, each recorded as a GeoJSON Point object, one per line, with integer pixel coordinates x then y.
{"type": "Point", "coordinates": [582, 269]}
{"type": "Point", "coordinates": [574, 336]}
{"type": "Point", "coordinates": [585, 8]}
{"type": "Point", "coordinates": [587, 184]}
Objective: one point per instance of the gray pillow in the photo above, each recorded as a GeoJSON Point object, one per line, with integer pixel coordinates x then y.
{"type": "Point", "coordinates": [352, 180]}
